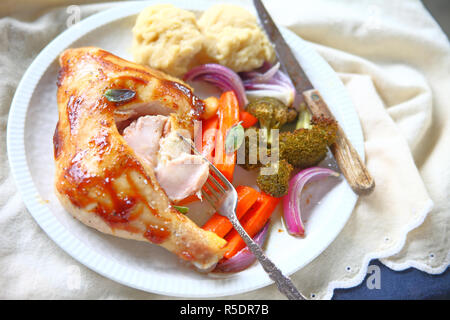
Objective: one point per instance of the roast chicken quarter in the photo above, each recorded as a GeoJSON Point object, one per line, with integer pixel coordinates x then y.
{"type": "Point", "coordinates": [104, 176]}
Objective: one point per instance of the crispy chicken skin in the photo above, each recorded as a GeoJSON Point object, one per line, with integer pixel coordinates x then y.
{"type": "Point", "coordinates": [99, 179]}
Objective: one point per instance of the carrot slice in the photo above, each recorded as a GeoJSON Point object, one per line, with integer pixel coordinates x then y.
{"type": "Point", "coordinates": [228, 117]}
{"type": "Point", "coordinates": [252, 222]}
{"type": "Point", "coordinates": [188, 199]}
{"type": "Point", "coordinates": [220, 225]}
{"type": "Point", "coordinates": [248, 120]}
{"type": "Point", "coordinates": [209, 130]}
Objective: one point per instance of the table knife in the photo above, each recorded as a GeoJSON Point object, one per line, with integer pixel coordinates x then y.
{"type": "Point", "coordinates": [348, 160]}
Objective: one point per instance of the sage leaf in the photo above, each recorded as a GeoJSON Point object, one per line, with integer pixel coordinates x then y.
{"type": "Point", "coordinates": [234, 139]}
{"type": "Point", "coordinates": [119, 95]}
{"type": "Point", "coordinates": [182, 209]}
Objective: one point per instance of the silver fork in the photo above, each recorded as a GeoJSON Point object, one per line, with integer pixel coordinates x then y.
{"type": "Point", "coordinates": [223, 199]}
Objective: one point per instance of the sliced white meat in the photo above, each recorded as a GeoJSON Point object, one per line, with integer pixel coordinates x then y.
{"type": "Point", "coordinates": [171, 147]}
{"type": "Point", "coordinates": [179, 173]}
{"type": "Point", "coordinates": [182, 176]}
{"type": "Point", "coordinates": [143, 136]}
{"type": "Point", "coordinates": [124, 116]}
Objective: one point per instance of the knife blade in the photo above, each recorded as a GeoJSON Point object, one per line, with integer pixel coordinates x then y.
{"type": "Point", "coordinates": [284, 54]}
{"type": "Point", "coordinates": [348, 160]}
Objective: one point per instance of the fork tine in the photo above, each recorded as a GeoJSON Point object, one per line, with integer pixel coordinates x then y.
{"type": "Point", "coordinates": [211, 192]}
{"type": "Point", "coordinates": [216, 183]}
{"type": "Point", "coordinates": [208, 198]}
{"type": "Point", "coordinates": [219, 175]}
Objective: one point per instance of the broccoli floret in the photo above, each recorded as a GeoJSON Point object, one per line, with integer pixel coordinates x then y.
{"type": "Point", "coordinates": [304, 148]}
{"type": "Point", "coordinates": [277, 184]}
{"type": "Point", "coordinates": [253, 146]}
{"type": "Point", "coordinates": [271, 113]}
{"type": "Point", "coordinates": [248, 155]}
{"type": "Point", "coordinates": [328, 126]}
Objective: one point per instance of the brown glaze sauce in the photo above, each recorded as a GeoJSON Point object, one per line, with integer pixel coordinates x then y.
{"type": "Point", "coordinates": [57, 142]}
{"type": "Point", "coordinates": [186, 256]}
{"type": "Point", "coordinates": [73, 111]}
{"type": "Point", "coordinates": [119, 211]}
{"type": "Point", "coordinates": [156, 234]}
{"type": "Point", "coordinates": [197, 104]}
{"type": "Point", "coordinates": [61, 74]}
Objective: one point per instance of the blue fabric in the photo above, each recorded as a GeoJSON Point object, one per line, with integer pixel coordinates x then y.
{"type": "Point", "coordinates": [408, 284]}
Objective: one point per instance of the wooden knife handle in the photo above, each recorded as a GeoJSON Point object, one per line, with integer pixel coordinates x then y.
{"type": "Point", "coordinates": [345, 154]}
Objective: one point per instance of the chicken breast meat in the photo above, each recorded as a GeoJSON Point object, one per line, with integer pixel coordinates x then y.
{"type": "Point", "coordinates": [114, 159]}
{"type": "Point", "coordinates": [178, 172]}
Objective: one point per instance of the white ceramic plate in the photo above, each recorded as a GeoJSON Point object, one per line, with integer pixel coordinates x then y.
{"type": "Point", "coordinates": [32, 120]}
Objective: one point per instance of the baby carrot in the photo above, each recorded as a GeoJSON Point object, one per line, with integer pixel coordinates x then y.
{"type": "Point", "coordinates": [247, 119]}
{"type": "Point", "coordinates": [228, 117]}
{"type": "Point", "coordinates": [252, 222]}
{"type": "Point", "coordinates": [220, 225]}
{"type": "Point", "coordinates": [209, 130]}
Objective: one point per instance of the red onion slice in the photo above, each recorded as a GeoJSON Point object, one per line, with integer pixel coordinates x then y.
{"type": "Point", "coordinates": [256, 76]}
{"type": "Point", "coordinates": [222, 77]}
{"type": "Point", "coordinates": [291, 201]}
{"type": "Point", "coordinates": [271, 82]}
{"type": "Point", "coordinates": [244, 258]}
{"type": "Point", "coordinates": [265, 81]}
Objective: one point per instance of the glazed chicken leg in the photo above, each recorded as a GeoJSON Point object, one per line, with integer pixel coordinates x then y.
{"type": "Point", "coordinates": [102, 180]}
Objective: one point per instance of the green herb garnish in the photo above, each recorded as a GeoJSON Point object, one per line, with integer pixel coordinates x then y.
{"type": "Point", "coordinates": [119, 95]}
{"type": "Point", "coordinates": [182, 209]}
{"type": "Point", "coordinates": [235, 137]}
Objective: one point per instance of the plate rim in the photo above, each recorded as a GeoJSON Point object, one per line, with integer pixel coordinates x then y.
{"type": "Point", "coordinates": [42, 214]}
